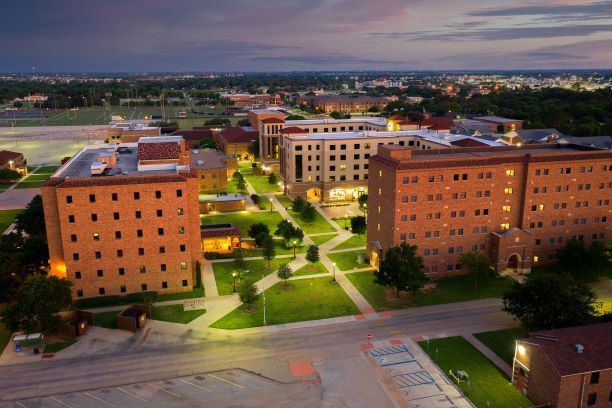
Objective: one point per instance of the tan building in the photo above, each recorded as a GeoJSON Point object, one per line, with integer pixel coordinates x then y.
{"type": "Point", "coordinates": [518, 205]}
{"type": "Point", "coordinates": [129, 132]}
{"type": "Point", "coordinates": [249, 100]}
{"type": "Point", "coordinates": [237, 141]}
{"type": "Point", "coordinates": [566, 368]}
{"type": "Point", "coordinates": [344, 103]}
{"type": "Point", "coordinates": [125, 218]}
{"type": "Point", "coordinates": [13, 161]}
{"type": "Point", "coordinates": [213, 168]}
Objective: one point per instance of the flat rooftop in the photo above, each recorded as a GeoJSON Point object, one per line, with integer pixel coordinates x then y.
{"type": "Point", "coordinates": [133, 126]}
{"type": "Point", "coordinates": [374, 120]}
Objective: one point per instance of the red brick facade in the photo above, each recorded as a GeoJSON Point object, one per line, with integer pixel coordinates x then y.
{"type": "Point", "coordinates": [517, 205]}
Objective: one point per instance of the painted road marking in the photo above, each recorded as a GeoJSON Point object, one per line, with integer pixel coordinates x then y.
{"type": "Point", "coordinates": [108, 404]}
{"type": "Point", "coordinates": [164, 390]}
{"type": "Point", "coordinates": [229, 382]}
{"type": "Point", "coordinates": [132, 394]}
{"type": "Point", "coordinates": [62, 403]}
{"type": "Point", "coordinates": [194, 385]}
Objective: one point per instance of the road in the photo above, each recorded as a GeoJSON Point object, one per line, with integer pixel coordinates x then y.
{"type": "Point", "coordinates": [334, 349]}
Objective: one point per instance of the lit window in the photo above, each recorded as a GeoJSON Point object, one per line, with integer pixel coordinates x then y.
{"type": "Point", "coordinates": [508, 190]}
{"type": "Point", "coordinates": [510, 172]}
{"type": "Point", "coordinates": [180, 211]}
{"type": "Point", "coordinates": [541, 207]}
{"type": "Point", "coordinates": [379, 173]}
{"type": "Point", "coordinates": [507, 208]}
{"type": "Point", "coordinates": [377, 227]}
{"type": "Point", "coordinates": [96, 236]}
{"type": "Point", "coordinates": [183, 265]}
{"type": "Point", "coordinates": [505, 226]}
{"type": "Point", "coordinates": [536, 258]}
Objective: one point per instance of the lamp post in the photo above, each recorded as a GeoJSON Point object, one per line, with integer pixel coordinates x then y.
{"type": "Point", "coordinates": [294, 244]}
{"type": "Point", "coordinates": [270, 204]}
{"type": "Point", "coordinates": [264, 303]}
{"type": "Point", "coordinates": [345, 218]}
{"type": "Point", "coordinates": [234, 280]}
{"type": "Point", "coordinates": [334, 269]}
{"type": "Point", "coordinates": [365, 212]}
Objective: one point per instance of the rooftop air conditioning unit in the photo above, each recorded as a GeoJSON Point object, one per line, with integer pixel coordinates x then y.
{"type": "Point", "coordinates": [200, 162]}
{"type": "Point", "coordinates": [579, 348]}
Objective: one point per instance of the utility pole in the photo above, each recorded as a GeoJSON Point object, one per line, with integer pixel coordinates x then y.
{"type": "Point", "coordinates": [264, 303]}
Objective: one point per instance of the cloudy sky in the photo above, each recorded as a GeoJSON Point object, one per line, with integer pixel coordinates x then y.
{"type": "Point", "coordinates": [284, 35]}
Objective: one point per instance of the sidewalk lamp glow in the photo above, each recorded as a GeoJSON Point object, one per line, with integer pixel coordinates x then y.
{"type": "Point", "coordinates": [334, 269]}
{"type": "Point", "coordinates": [234, 280]}
{"type": "Point", "coordinates": [270, 204]}
{"type": "Point", "coordinates": [294, 244]}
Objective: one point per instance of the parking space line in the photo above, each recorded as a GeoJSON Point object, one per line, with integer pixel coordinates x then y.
{"type": "Point", "coordinates": [195, 385]}
{"type": "Point", "coordinates": [229, 382]}
{"type": "Point", "coordinates": [108, 404]}
{"type": "Point", "coordinates": [132, 394]}
{"type": "Point", "coordinates": [164, 390]}
{"type": "Point", "coordinates": [62, 403]}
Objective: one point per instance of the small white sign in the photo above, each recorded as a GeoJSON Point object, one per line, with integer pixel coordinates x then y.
{"type": "Point", "coordinates": [197, 304]}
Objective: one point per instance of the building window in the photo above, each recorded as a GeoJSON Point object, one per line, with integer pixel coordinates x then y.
{"type": "Point", "coordinates": [141, 251]}
{"type": "Point", "coordinates": [101, 291]}
{"type": "Point", "coordinates": [139, 233]}
{"type": "Point", "coordinates": [179, 193]}
{"type": "Point", "coordinates": [595, 377]}
{"type": "Point", "coordinates": [143, 287]}
{"type": "Point", "coordinates": [158, 194]}
{"type": "Point", "coordinates": [121, 271]}
{"type": "Point", "coordinates": [138, 214]}
{"type": "Point", "coordinates": [508, 190]}
{"type": "Point", "coordinates": [163, 267]}
{"type": "Point", "coordinates": [160, 231]}
{"type": "Point", "coordinates": [79, 292]}
{"type": "Point", "coordinates": [98, 255]}
{"type": "Point", "coordinates": [114, 197]}
{"type": "Point", "coordinates": [164, 285]}
{"type": "Point", "coordinates": [507, 208]}
{"type": "Point", "coordinates": [115, 216]}
{"type": "Point", "coordinates": [122, 289]}
{"type": "Point", "coordinates": [68, 199]}
{"type": "Point", "coordinates": [160, 213]}
{"type": "Point", "coordinates": [184, 282]}
{"type": "Point", "coordinates": [592, 399]}
{"type": "Point", "coordinates": [510, 172]}
{"type": "Point", "coordinates": [92, 198]}
{"type": "Point", "coordinates": [505, 226]}
{"type": "Point", "coordinates": [96, 236]}
{"type": "Point", "coordinates": [71, 219]}
{"type": "Point", "coordinates": [184, 265]}
{"type": "Point", "coordinates": [100, 273]}
{"type": "Point", "coordinates": [182, 248]}
{"type": "Point", "coordinates": [136, 195]}
{"type": "Point", "coordinates": [180, 211]}
{"type": "Point", "coordinates": [73, 238]}
{"type": "Point", "coordinates": [117, 234]}
{"type": "Point", "coordinates": [143, 269]}
{"type": "Point", "coordinates": [120, 253]}
{"type": "Point", "coordinates": [77, 275]}
{"type": "Point", "coordinates": [162, 249]}
{"type": "Point", "coordinates": [94, 217]}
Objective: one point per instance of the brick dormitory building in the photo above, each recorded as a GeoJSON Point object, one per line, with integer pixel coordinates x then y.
{"type": "Point", "coordinates": [518, 205]}
{"type": "Point", "coordinates": [125, 218]}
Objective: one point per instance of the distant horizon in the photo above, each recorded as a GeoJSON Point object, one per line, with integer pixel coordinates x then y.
{"type": "Point", "coordinates": [304, 35]}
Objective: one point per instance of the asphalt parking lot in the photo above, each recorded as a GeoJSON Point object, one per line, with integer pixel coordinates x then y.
{"type": "Point", "coordinates": [233, 388]}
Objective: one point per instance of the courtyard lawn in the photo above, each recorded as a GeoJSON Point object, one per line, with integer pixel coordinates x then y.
{"type": "Point", "coordinates": [447, 290]}
{"type": "Point", "coordinates": [321, 239]}
{"type": "Point", "coordinates": [356, 241]}
{"type": "Point", "coordinates": [7, 217]}
{"type": "Point", "coordinates": [195, 293]}
{"type": "Point", "coordinates": [244, 220]}
{"type": "Point", "coordinates": [311, 269]}
{"type": "Point", "coordinates": [318, 226]}
{"type": "Point", "coordinates": [175, 314]}
{"type": "Point", "coordinates": [260, 183]}
{"type": "Point", "coordinates": [59, 346]}
{"type": "Point", "coordinates": [487, 385]}
{"type": "Point", "coordinates": [47, 170]}
{"type": "Point", "coordinates": [279, 249]}
{"type": "Point", "coordinates": [257, 268]}
{"type": "Point", "coordinates": [501, 342]}
{"type": "Point", "coordinates": [346, 261]}
{"type": "Point", "coordinates": [107, 320]}
{"type": "Point", "coordinates": [603, 289]}
{"type": "Point", "coordinates": [305, 299]}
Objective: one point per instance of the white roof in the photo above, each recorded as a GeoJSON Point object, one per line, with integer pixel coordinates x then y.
{"type": "Point", "coordinates": [158, 139]}
{"type": "Point", "coordinates": [330, 121]}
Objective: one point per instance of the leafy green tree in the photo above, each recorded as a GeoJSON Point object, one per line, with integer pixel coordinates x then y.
{"type": "Point", "coordinates": [308, 213]}
{"type": "Point", "coordinates": [550, 301]}
{"type": "Point", "coordinates": [248, 293]}
{"type": "Point", "coordinates": [373, 109]}
{"type": "Point", "coordinates": [259, 231]}
{"type": "Point", "coordinates": [340, 115]}
{"type": "Point", "coordinates": [358, 225]}
{"type": "Point", "coordinates": [582, 262]}
{"type": "Point", "coordinates": [240, 182]}
{"type": "Point", "coordinates": [289, 233]}
{"type": "Point", "coordinates": [294, 117]}
{"type": "Point", "coordinates": [402, 269]}
{"type": "Point", "coordinates": [284, 272]}
{"type": "Point", "coordinates": [272, 179]}
{"type": "Point", "coordinates": [32, 219]}
{"type": "Point", "coordinates": [478, 266]}
{"type": "Point", "coordinates": [7, 175]}
{"type": "Point", "coordinates": [207, 143]}
{"type": "Point", "coordinates": [363, 202]}
{"type": "Point", "coordinates": [298, 204]}
{"type": "Point", "coordinates": [217, 122]}
{"type": "Point", "coordinates": [269, 252]}
{"type": "Point", "coordinates": [37, 304]}
{"type": "Point", "coordinates": [312, 254]}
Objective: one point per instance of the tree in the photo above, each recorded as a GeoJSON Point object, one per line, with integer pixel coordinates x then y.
{"type": "Point", "coordinates": [340, 115]}
{"type": "Point", "coordinates": [363, 202]}
{"type": "Point", "coordinates": [402, 269]}
{"type": "Point", "coordinates": [284, 272]}
{"type": "Point", "coordinates": [243, 122]}
{"type": "Point", "coordinates": [358, 225]}
{"type": "Point", "coordinates": [308, 213]}
{"type": "Point", "coordinates": [269, 251]}
{"type": "Point", "coordinates": [37, 304]}
{"type": "Point", "coordinates": [373, 109]}
{"type": "Point", "coordinates": [477, 265]}
{"type": "Point", "coordinates": [259, 231]}
{"type": "Point", "coordinates": [582, 262]}
{"type": "Point", "coordinates": [217, 122]}
{"type": "Point", "coordinates": [207, 143]}
{"type": "Point", "coordinates": [240, 182]}
{"type": "Point", "coordinates": [312, 254]}
{"type": "Point", "coordinates": [32, 219]}
{"type": "Point", "coordinates": [294, 117]}
{"type": "Point", "coordinates": [272, 179]}
{"type": "Point", "coordinates": [501, 128]}
{"type": "Point", "coordinates": [291, 235]}
{"type": "Point", "coordinates": [248, 293]}
{"type": "Point", "coordinates": [7, 175]}
{"type": "Point", "coordinates": [298, 204]}
{"type": "Point", "coordinates": [550, 301]}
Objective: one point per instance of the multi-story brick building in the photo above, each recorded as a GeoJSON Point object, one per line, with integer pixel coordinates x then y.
{"type": "Point", "coordinates": [13, 161]}
{"type": "Point", "coordinates": [249, 100]}
{"type": "Point", "coordinates": [127, 132]}
{"type": "Point", "coordinates": [566, 368]}
{"type": "Point", "coordinates": [213, 169]}
{"type": "Point", "coordinates": [124, 218]}
{"type": "Point", "coordinates": [344, 103]}
{"type": "Point", "coordinates": [519, 205]}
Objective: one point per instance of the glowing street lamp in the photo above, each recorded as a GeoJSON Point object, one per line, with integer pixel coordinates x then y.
{"type": "Point", "coordinates": [294, 244]}
{"type": "Point", "coordinates": [270, 204]}
{"type": "Point", "coordinates": [334, 278]}
{"type": "Point", "coordinates": [234, 280]}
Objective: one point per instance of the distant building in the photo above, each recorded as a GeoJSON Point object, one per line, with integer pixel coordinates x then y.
{"type": "Point", "coordinates": [193, 137]}
{"type": "Point", "coordinates": [213, 168]}
{"type": "Point", "coordinates": [250, 100]}
{"type": "Point", "coordinates": [344, 103]}
{"type": "Point", "coordinates": [237, 141]}
{"type": "Point", "coordinates": [125, 132]}
{"type": "Point", "coordinates": [566, 368]}
{"type": "Point", "coordinates": [33, 98]}
{"type": "Point", "coordinates": [13, 161]}
{"type": "Point", "coordinates": [496, 121]}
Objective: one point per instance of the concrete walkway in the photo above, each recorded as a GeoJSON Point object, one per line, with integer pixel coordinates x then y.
{"type": "Point", "coordinates": [495, 359]}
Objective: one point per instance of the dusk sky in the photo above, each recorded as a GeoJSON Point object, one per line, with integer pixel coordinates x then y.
{"type": "Point", "coordinates": [284, 35]}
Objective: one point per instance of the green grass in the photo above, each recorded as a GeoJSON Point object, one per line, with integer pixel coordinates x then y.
{"type": "Point", "coordinates": [5, 337]}
{"type": "Point", "coordinates": [346, 261]}
{"type": "Point", "coordinates": [106, 319]}
{"type": "Point", "coordinates": [487, 383]}
{"type": "Point", "coordinates": [59, 346]}
{"type": "Point", "coordinates": [356, 241]}
{"type": "Point", "coordinates": [306, 299]}
{"type": "Point", "coordinates": [448, 290]}
{"type": "Point", "coordinates": [223, 272]}
{"type": "Point", "coordinates": [47, 169]}
{"type": "Point", "coordinates": [175, 314]}
{"type": "Point", "coordinates": [603, 289]}
{"type": "Point", "coordinates": [195, 293]}
{"type": "Point", "coordinates": [7, 217]}
{"type": "Point", "coordinates": [311, 269]}
{"type": "Point", "coordinates": [501, 342]}
{"type": "Point", "coordinates": [260, 183]}
{"type": "Point", "coordinates": [321, 239]}
{"type": "Point", "coordinates": [244, 220]}
{"type": "Point", "coordinates": [318, 226]}
{"type": "Point", "coordinates": [30, 184]}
